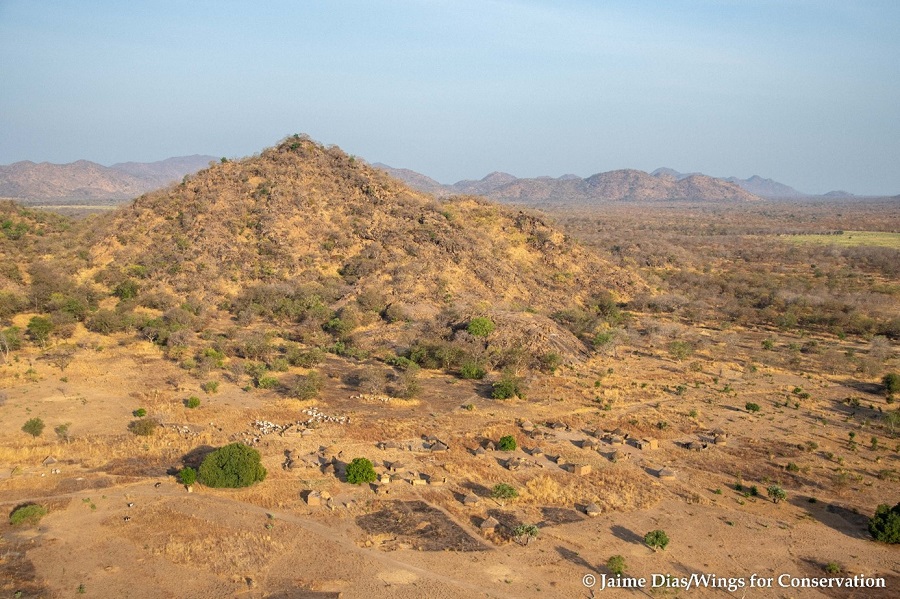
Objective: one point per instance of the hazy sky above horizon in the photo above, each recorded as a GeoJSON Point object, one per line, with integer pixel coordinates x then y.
{"type": "Point", "coordinates": [806, 92]}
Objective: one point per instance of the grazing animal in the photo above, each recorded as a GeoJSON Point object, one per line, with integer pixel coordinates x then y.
{"type": "Point", "coordinates": [130, 505]}
{"type": "Point", "coordinates": [157, 485]}
{"type": "Point", "coordinates": [127, 518]}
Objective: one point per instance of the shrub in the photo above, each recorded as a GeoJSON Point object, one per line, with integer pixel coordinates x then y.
{"type": "Point", "coordinates": [507, 387]}
{"type": "Point", "coordinates": [62, 431]}
{"type": "Point", "coordinates": [192, 402]}
{"type": "Point", "coordinates": [776, 493]}
{"type": "Point", "coordinates": [752, 407]}
{"type": "Point", "coordinates": [359, 471]}
{"type": "Point", "coordinates": [507, 443]}
{"type": "Point", "coordinates": [267, 382]}
{"type": "Point", "coordinates": [143, 427]}
{"type": "Point", "coordinates": [306, 386]}
{"type": "Point", "coordinates": [523, 533]}
{"type": "Point", "coordinates": [34, 427]}
{"type": "Point", "coordinates": [891, 382]}
{"type": "Point", "coordinates": [127, 289]}
{"type": "Point", "coordinates": [680, 350]}
{"type": "Point", "coordinates": [231, 466]}
{"type": "Point", "coordinates": [30, 513]}
{"type": "Point", "coordinates": [833, 568]}
{"type": "Point", "coordinates": [139, 413]}
{"type": "Point", "coordinates": [550, 362]}
{"type": "Point", "coordinates": [504, 491]}
{"type": "Point", "coordinates": [210, 387]}
{"type": "Point", "coordinates": [616, 565]}
{"type": "Point", "coordinates": [187, 476]}
{"type": "Point", "coordinates": [402, 362]}
{"type": "Point", "coordinates": [656, 539]}
{"type": "Point", "coordinates": [480, 327]}
{"type": "Point", "coordinates": [472, 370]}
{"type": "Point", "coordinates": [885, 524]}
{"type": "Point", "coordinates": [107, 322]}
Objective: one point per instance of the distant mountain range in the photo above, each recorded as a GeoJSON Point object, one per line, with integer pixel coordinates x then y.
{"type": "Point", "coordinates": [766, 188]}
{"type": "Point", "coordinates": [620, 185]}
{"type": "Point", "coordinates": [83, 180]}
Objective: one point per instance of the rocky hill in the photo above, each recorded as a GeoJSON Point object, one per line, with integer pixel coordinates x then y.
{"type": "Point", "coordinates": [766, 188]}
{"type": "Point", "coordinates": [302, 233]}
{"type": "Point", "coordinates": [614, 186]}
{"type": "Point", "coordinates": [83, 180]}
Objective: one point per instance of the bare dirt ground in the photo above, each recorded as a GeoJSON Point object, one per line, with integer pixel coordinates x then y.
{"type": "Point", "coordinates": [421, 540]}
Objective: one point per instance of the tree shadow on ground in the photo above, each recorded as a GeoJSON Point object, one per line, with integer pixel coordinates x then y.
{"type": "Point", "coordinates": [195, 457]}
{"type": "Point", "coordinates": [840, 518]}
{"type": "Point", "coordinates": [575, 558]}
{"type": "Point", "coordinates": [620, 532]}
{"type": "Point", "coordinates": [863, 387]}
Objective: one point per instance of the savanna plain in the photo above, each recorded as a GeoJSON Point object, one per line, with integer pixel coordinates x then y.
{"type": "Point", "coordinates": [447, 397]}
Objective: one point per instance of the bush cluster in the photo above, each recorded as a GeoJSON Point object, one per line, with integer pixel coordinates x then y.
{"type": "Point", "coordinates": [231, 466]}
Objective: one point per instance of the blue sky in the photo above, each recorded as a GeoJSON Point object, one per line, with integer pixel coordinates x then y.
{"type": "Point", "coordinates": [803, 91]}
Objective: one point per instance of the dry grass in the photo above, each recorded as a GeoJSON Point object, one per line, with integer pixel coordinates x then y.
{"type": "Point", "coordinates": [181, 537]}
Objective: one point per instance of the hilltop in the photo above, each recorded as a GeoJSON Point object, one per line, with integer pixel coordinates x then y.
{"type": "Point", "coordinates": [84, 180]}
{"type": "Point", "coordinates": [304, 234]}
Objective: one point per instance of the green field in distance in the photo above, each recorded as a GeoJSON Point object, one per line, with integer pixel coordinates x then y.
{"type": "Point", "coordinates": [850, 238]}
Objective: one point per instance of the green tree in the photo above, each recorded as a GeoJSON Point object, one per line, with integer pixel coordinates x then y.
{"type": "Point", "coordinates": [507, 443]}
{"type": "Point", "coordinates": [752, 407]}
{"type": "Point", "coordinates": [192, 402]}
{"type": "Point", "coordinates": [480, 327]}
{"type": "Point", "coordinates": [885, 524]}
{"type": "Point", "coordinates": [10, 341]}
{"type": "Point", "coordinates": [231, 466]}
{"type": "Point", "coordinates": [359, 471]}
{"type": "Point", "coordinates": [616, 565]}
{"type": "Point", "coordinates": [34, 427]}
{"type": "Point", "coordinates": [39, 329]}
{"type": "Point", "coordinates": [656, 539]}
{"type": "Point", "coordinates": [776, 493]}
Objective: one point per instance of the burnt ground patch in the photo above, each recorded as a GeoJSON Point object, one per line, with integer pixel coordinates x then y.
{"type": "Point", "coordinates": [17, 573]}
{"type": "Point", "coordinates": [554, 516]}
{"type": "Point", "coordinates": [420, 525]}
